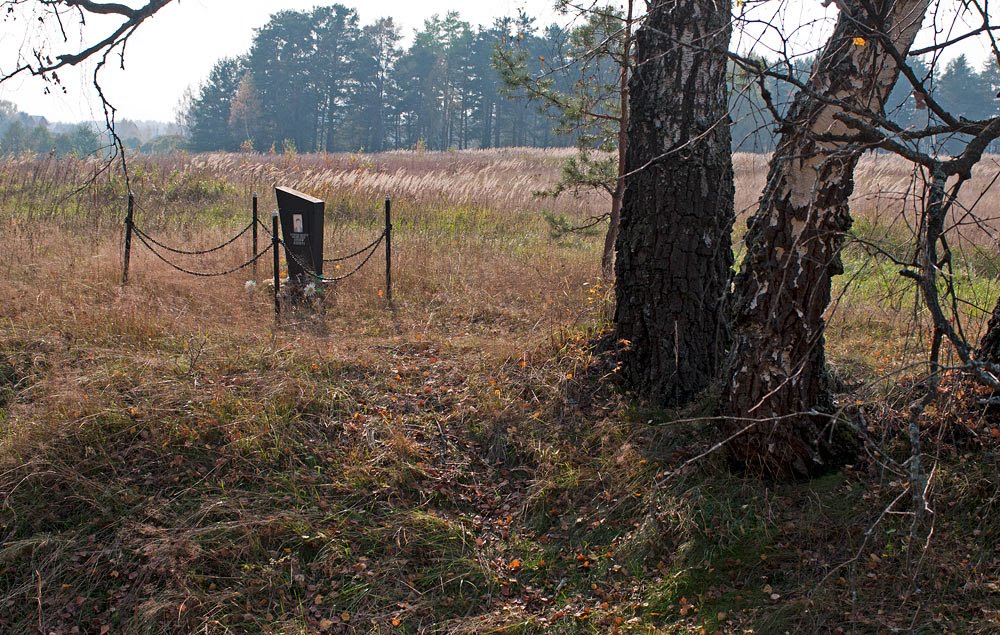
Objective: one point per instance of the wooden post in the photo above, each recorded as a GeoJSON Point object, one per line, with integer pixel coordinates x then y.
{"type": "Point", "coordinates": [277, 265]}
{"type": "Point", "coordinates": [128, 237]}
{"type": "Point", "coordinates": [253, 253]}
{"type": "Point", "coordinates": [388, 250]}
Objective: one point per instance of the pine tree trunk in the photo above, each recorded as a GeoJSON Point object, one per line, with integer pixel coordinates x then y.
{"type": "Point", "coordinates": [673, 250]}
{"type": "Point", "coordinates": [777, 371]}
{"type": "Point", "coordinates": [618, 195]}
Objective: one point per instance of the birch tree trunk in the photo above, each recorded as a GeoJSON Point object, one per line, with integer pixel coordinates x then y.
{"type": "Point", "coordinates": [674, 252]}
{"type": "Point", "coordinates": [777, 367]}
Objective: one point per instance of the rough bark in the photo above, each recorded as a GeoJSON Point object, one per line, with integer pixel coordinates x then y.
{"type": "Point", "coordinates": [777, 368]}
{"type": "Point", "coordinates": [674, 253]}
{"type": "Point", "coordinates": [989, 345]}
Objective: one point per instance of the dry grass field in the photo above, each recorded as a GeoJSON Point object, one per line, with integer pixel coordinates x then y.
{"type": "Point", "coordinates": [174, 461]}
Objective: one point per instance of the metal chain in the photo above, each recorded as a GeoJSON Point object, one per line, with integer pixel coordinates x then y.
{"type": "Point", "coordinates": [203, 274]}
{"type": "Point", "coordinates": [375, 242]}
{"type": "Point", "coordinates": [146, 239]}
{"type": "Point", "coordinates": [370, 245]}
{"type": "Point", "coordinates": [324, 279]}
{"type": "Point", "coordinates": [191, 253]}
{"type": "Point", "coordinates": [374, 248]}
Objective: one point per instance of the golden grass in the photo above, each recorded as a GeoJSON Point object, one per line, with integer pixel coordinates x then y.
{"type": "Point", "coordinates": [472, 251]}
{"type": "Point", "coordinates": [181, 464]}
{"type": "Point", "coordinates": [473, 260]}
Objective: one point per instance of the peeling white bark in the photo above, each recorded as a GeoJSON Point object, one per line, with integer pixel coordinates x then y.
{"type": "Point", "coordinates": [794, 239]}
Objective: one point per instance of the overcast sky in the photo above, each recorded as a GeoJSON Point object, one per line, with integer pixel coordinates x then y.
{"type": "Point", "coordinates": [177, 47]}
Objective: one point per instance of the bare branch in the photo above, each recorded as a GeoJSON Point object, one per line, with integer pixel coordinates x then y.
{"type": "Point", "coordinates": [44, 65]}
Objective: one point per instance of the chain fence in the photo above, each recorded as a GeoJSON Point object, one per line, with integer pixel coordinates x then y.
{"type": "Point", "coordinates": [371, 248]}
{"type": "Point", "coordinates": [201, 274]}
{"type": "Point", "coordinates": [370, 245]}
{"type": "Point", "coordinates": [198, 252]}
{"type": "Point", "coordinates": [159, 249]}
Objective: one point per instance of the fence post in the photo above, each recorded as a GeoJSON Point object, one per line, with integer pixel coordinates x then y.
{"type": "Point", "coordinates": [128, 237]}
{"type": "Point", "coordinates": [253, 253]}
{"type": "Point", "coordinates": [277, 265]}
{"type": "Point", "coordinates": [388, 250]}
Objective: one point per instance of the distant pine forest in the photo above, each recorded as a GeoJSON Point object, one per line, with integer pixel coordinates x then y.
{"type": "Point", "coordinates": [320, 81]}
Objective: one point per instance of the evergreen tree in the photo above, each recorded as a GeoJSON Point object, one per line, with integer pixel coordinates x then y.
{"type": "Point", "coordinates": [210, 110]}
{"type": "Point", "coordinates": [902, 106]}
{"type": "Point", "coordinates": [82, 140]}
{"type": "Point", "coordinates": [15, 138]}
{"type": "Point", "coordinates": [40, 139]}
{"type": "Point", "coordinates": [377, 53]}
{"type": "Point", "coordinates": [322, 81]}
{"type": "Point", "coordinates": [595, 108]}
{"type": "Point", "coordinates": [280, 60]}
{"type": "Point", "coordinates": [335, 72]}
{"type": "Point", "coordinates": [418, 75]}
{"type": "Point", "coordinates": [961, 91]}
